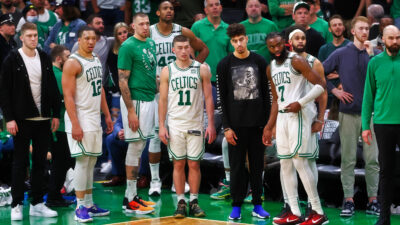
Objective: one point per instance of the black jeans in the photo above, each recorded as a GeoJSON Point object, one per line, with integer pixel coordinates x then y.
{"type": "Point", "coordinates": [38, 132]}
{"type": "Point", "coordinates": [249, 141]}
{"type": "Point", "coordinates": [61, 161]}
{"type": "Point", "coordinates": [387, 137]}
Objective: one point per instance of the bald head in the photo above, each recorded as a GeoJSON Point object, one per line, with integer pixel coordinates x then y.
{"type": "Point", "coordinates": [391, 38]}
{"type": "Point", "coordinates": [391, 29]}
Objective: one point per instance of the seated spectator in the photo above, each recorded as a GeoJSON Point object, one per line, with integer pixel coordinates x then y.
{"type": "Point", "coordinates": [385, 21]}
{"type": "Point", "coordinates": [65, 32]}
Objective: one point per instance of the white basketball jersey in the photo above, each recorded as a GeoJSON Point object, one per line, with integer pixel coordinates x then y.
{"type": "Point", "coordinates": [185, 97]}
{"type": "Point", "coordinates": [164, 45]}
{"type": "Point", "coordinates": [87, 94]}
{"type": "Point", "coordinates": [290, 84]}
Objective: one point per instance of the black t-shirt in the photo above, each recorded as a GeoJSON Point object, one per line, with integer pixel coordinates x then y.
{"type": "Point", "coordinates": [314, 42]}
{"type": "Point", "coordinates": [243, 91]}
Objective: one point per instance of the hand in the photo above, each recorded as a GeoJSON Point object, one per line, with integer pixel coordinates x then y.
{"type": "Point", "coordinates": [368, 47]}
{"type": "Point", "coordinates": [96, 9]}
{"type": "Point", "coordinates": [55, 123]}
{"type": "Point", "coordinates": [264, 8]}
{"type": "Point", "coordinates": [110, 124]}
{"type": "Point", "coordinates": [267, 137]}
{"type": "Point", "coordinates": [163, 135]}
{"type": "Point", "coordinates": [133, 121]}
{"type": "Point", "coordinates": [12, 127]}
{"type": "Point", "coordinates": [121, 134]}
{"type": "Point", "coordinates": [77, 133]}
{"type": "Point", "coordinates": [332, 76]}
{"type": "Point", "coordinates": [293, 107]}
{"type": "Point", "coordinates": [343, 96]}
{"type": "Point", "coordinates": [230, 137]}
{"type": "Point", "coordinates": [52, 45]}
{"type": "Point", "coordinates": [316, 126]}
{"type": "Point", "coordinates": [210, 133]}
{"type": "Point", "coordinates": [366, 136]}
{"type": "Point", "coordinates": [48, 157]}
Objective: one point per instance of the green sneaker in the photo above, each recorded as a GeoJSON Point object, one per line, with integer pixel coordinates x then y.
{"type": "Point", "coordinates": [224, 191]}
{"type": "Point", "coordinates": [249, 198]}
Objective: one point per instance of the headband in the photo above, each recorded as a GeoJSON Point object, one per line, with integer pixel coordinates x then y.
{"type": "Point", "coordinates": [295, 31]}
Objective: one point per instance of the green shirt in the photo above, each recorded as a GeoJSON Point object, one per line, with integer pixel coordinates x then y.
{"type": "Point", "coordinates": [146, 6]}
{"type": "Point", "coordinates": [395, 9]}
{"type": "Point", "coordinates": [58, 75]}
{"type": "Point", "coordinates": [139, 57]}
{"type": "Point", "coordinates": [322, 27]}
{"type": "Point", "coordinates": [382, 91]}
{"type": "Point", "coordinates": [264, 52]}
{"type": "Point", "coordinates": [278, 13]}
{"type": "Point", "coordinates": [61, 38]}
{"type": "Point", "coordinates": [216, 40]}
{"type": "Point", "coordinates": [258, 32]}
{"type": "Point", "coordinates": [45, 27]}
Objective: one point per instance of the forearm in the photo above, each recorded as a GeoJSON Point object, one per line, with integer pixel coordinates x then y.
{"type": "Point", "coordinates": [314, 93]}
{"type": "Point", "coordinates": [162, 112]}
{"type": "Point", "coordinates": [124, 87]}
{"type": "Point", "coordinates": [322, 102]}
{"type": "Point", "coordinates": [71, 109]}
{"type": "Point", "coordinates": [210, 110]}
{"type": "Point", "coordinates": [272, 116]}
{"type": "Point", "coordinates": [202, 56]}
{"type": "Point", "coordinates": [104, 106]}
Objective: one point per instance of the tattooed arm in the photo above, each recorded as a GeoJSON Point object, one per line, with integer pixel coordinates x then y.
{"type": "Point", "coordinates": [126, 96]}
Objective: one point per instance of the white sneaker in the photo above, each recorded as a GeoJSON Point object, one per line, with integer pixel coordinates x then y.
{"type": "Point", "coordinates": [187, 188]}
{"type": "Point", "coordinates": [69, 177]}
{"type": "Point", "coordinates": [3, 197]}
{"type": "Point", "coordinates": [155, 188]}
{"type": "Point", "coordinates": [16, 212]}
{"type": "Point", "coordinates": [106, 168]}
{"type": "Point", "coordinates": [42, 210]}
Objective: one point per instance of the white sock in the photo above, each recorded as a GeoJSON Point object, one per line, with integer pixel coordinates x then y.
{"type": "Point", "coordinates": [88, 200]}
{"type": "Point", "coordinates": [180, 197]}
{"type": "Point", "coordinates": [228, 175]}
{"type": "Point", "coordinates": [193, 197]}
{"type": "Point", "coordinates": [80, 202]}
{"type": "Point", "coordinates": [130, 191]}
{"type": "Point", "coordinates": [154, 169]}
{"type": "Point", "coordinates": [289, 175]}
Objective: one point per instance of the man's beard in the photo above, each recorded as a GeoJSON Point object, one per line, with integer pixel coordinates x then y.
{"type": "Point", "coordinates": [282, 57]}
{"type": "Point", "coordinates": [98, 32]}
{"type": "Point", "coordinates": [299, 50]}
{"type": "Point", "coordinates": [337, 36]}
{"type": "Point", "coordinates": [394, 49]}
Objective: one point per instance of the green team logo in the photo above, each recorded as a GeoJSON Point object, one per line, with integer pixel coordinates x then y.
{"type": "Point", "coordinates": [93, 76]}
{"type": "Point", "coordinates": [148, 59]}
{"type": "Point", "coordinates": [184, 82]}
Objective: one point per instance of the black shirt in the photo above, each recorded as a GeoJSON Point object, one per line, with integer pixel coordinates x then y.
{"type": "Point", "coordinates": [243, 91]}
{"type": "Point", "coordinates": [6, 47]}
{"type": "Point", "coordinates": [314, 42]}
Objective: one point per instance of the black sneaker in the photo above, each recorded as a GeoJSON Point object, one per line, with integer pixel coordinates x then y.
{"type": "Point", "coordinates": [308, 211]}
{"type": "Point", "coordinates": [195, 210]}
{"type": "Point", "coordinates": [373, 208]}
{"type": "Point", "coordinates": [180, 209]}
{"type": "Point", "coordinates": [59, 202]}
{"type": "Point", "coordinates": [285, 210]}
{"type": "Point", "coordinates": [347, 209]}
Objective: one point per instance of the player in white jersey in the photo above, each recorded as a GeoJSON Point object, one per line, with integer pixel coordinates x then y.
{"type": "Point", "coordinates": [183, 84]}
{"type": "Point", "coordinates": [293, 112]}
{"type": "Point", "coordinates": [163, 33]}
{"type": "Point", "coordinates": [84, 97]}
{"type": "Point", "coordinates": [297, 41]}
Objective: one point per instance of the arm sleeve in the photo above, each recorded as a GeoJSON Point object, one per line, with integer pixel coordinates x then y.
{"type": "Point", "coordinates": [330, 65]}
{"type": "Point", "coordinates": [369, 96]}
{"type": "Point", "coordinates": [222, 92]}
{"type": "Point", "coordinates": [274, 8]}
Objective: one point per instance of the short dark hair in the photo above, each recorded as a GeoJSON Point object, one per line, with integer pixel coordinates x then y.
{"type": "Point", "coordinates": [236, 29]}
{"type": "Point", "coordinates": [57, 50]}
{"type": "Point", "coordinates": [336, 16]}
{"type": "Point", "coordinates": [28, 26]}
{"type": "Point", "coordinates": [83, 29]}
{"type": "Point", "coordinates": [70, 12]}
{"type": "Point", "coordinates": [159, 5]}
{"type": "Point", "coordinates": [90, 19]}
{"type": "Point", "coordinates": [386, 16]}
{"type": "Point", "coordinates": [274, 35]}
{"type": "Point", "coordinates": [180, 38]}
{"type": "Point", "coordinates": [292, 28]}
{"type": "Point", "coordinates": [139, 14]}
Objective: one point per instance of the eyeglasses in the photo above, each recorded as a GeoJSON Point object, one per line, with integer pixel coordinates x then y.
{"type": "Point", "coordinates": [123, 32]}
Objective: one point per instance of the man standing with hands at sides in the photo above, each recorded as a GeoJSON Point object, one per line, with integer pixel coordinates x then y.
{"type": "Point", "coordinates": [293, 112]}
{"type": "Point", "coordinates": [381, 96]}
{"type": "Point", "coordinates": [351, 62]}
{"type": "Point", "coordinates": [183, 86]}
{"type": "Point", "coordinates": [137, 81]}
{"type": "Point", "coordinates": [245, 102]}
{"type": "Point", "coordinates": [84, 96]}
{"type": "Point", "coordinates": [163, 33]}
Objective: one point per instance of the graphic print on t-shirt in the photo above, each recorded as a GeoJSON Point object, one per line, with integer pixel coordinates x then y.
{"type": "Point", "coordinates": [245, 82]}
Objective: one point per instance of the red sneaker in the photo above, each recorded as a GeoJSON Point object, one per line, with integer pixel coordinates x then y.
{"type": "Point", "coordinates": [316, 219]}
{"type": "Point", "coordinates": [288, 219]}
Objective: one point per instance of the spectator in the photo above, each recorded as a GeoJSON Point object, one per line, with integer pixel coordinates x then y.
{"type": "Point", "coordinates": [374, 14]}
{"type": "Point", "coordinates": [317, 23]}
{"type": "Point", "coordinates": [384, 3]}
{"type": "Point", "coordinates": [301, 17]}
{"type": "Point", "coordinates": [382, 89]}
{"type": "Point", "coordinates": [45, 21]}
{"type": "Point", "coordinates": [103, 43]}
{"type": "Point", "coordinates": [61, 157]}
{"type": "Point", "coordinates": [383, 22]}
{"type": "Point", "coordinates": [395, 12]}
{"type": "Point", "coordinates": [8, 8]}
{"type": "Point", "coordinates": [65, 32]}
{"type": "Point", "coordinates": [281, 12]}
{"type": "Point", "coordinates": [28, 107]}
{"type": "Point", "coordinates": [7, 32]}
{"type": "Point", "coordinates": [351, 63]}
{"type": "Point", "coordinates": [58, 8]}
{"type": "Point", "coordinates": [19, 4]}
{"type": "Point", "coordinates": [186, 11]}
{"type": "Point", "coordinates": [212, 31]}
{"type": "Point", "coordinates": [111, 11]}
{"type": "Point", "coordinates": [257, 28]}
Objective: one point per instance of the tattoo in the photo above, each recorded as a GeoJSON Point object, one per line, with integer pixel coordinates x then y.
{"type": "Point", "coordinates": [123, 85]}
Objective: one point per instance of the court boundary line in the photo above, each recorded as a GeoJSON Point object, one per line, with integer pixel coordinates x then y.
{"type": "Point", "coordinates": [228, 222]}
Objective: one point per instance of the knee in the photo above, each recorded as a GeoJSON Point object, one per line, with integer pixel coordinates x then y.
{"type": "Point", "coordinates": [179, 165]}
{"type": "Point", "coordinates": [194, 165]}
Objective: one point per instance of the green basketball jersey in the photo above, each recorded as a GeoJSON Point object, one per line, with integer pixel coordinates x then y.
{"type": "Point", "coordinates": [45, 27]}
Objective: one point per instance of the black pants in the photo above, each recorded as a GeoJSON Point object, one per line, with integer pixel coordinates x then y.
{"type": "Point", "coordinates": [38, 132]}
{"type": "Point", "coordinates": [249, 141]}
{"type": "Point", "coordinates": [60, 163]}
{"type": "Point", "coordinates": [387, 137]}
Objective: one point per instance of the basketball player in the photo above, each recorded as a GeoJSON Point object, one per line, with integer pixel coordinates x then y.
{"type": "Point", "coordinates": [298, 42]}
{"type": "Point", "coordinates": [137, 81]}
{"type": "Point", "coordinates": [162, 34]}
{"type": "Point", "coordinates": [184, 85]}
{"type": "Point", "coordinates": [293, 111]}
{"type": "Point", "coordinates": [83, 97]}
